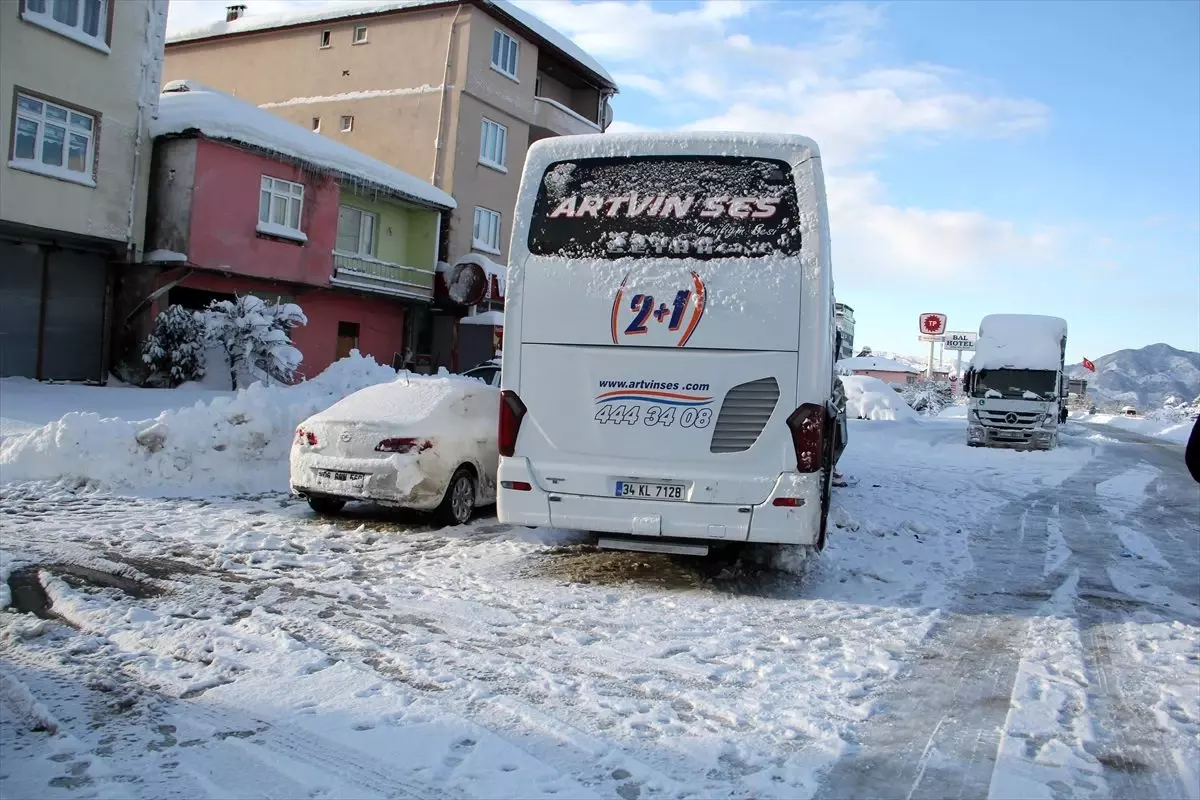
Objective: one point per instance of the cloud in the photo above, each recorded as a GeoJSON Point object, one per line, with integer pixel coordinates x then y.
{"type": "Point", "coordinates": [827, 83]}
{"type": "Point", "coordinates": [880, 241]}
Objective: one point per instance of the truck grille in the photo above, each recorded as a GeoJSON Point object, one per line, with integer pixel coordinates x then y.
{"type": "Point", "coordinates": [1000, 419]}
{"type": "Point", "coordinates": [743, 416]}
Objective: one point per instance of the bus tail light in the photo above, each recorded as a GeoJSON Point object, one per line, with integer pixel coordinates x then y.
{"type": "Point", "coordinates": [512, 411]}
{"type": "Point", "coordinates": [808, 439]}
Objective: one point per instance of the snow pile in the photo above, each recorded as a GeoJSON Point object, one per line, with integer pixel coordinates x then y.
{"type": "Point", "coordinates": [1170, 429]}
{"type": "Point", "coordinates": [871, 398]}
{"type": "Point", "coordinates": [188, 105]}
{"type": "Point", "coordinates": [233, 444]}
{"type": "Point", "coordinates": [877, 363]}
{"type": "Point", "coordinates": [1019, 341]}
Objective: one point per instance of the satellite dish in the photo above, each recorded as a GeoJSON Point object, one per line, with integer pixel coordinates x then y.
{"type": "Point", "coordinates": [467, 284]}
{"type": "Point", "coordinates": [606, 116]}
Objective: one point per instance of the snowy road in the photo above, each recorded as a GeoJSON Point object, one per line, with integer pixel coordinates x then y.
{"type": "Point", "coordinates": [985, 623]}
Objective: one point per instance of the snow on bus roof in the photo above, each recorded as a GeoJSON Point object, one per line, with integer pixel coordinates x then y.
{"type": "Point", "coordinates": [348, 9]}
{"type": "Point", "coordinates": [875, 363]}
{"type": "Point", "coordinates": [706, 143]}
{"type": "Point", "coordinates": [1019, 341]}
{"type": "Point", "coordinates": [188, 105]}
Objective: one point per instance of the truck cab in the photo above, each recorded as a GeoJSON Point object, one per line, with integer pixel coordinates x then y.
{"type": "Point", "coordinates": [1016, 383]}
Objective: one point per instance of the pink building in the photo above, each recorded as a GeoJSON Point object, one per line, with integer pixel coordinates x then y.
{"type": "Point", "coordinates": [885, 369]}
{"type": "Point", "coordinates": [243, 202]}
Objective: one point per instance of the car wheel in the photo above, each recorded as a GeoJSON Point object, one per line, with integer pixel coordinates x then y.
{"type": "Point", "coordinates": [326, 505]}
{"type": "Point", "coordinates": [459, 503]}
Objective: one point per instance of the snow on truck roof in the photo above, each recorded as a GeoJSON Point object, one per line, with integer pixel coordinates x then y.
{"type": "Point", "coordinates": [1020, 341]}
{"type": "Point", "coordinates": [349, 9]}
{"type": "Point", "coordinates": [188, 105]}
{"type": "Point", "coordinates": [663, 143]}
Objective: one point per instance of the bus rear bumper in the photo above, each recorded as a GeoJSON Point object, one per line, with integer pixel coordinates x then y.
{"type": "Point", "coordinates": [791, 514]}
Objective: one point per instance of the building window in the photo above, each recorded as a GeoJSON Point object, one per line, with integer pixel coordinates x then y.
{"type": "Point", "coordinates": [316, 124]}
{"type": "Point", "coordinates": [326, 39]}
{"type": "Point", "coordinates": [486, 235]}
{"type": "Point", "coordinates": [347, 338]}
{"type": "Point", "coordinates": [504, 53]}
{"type": "Point", "coordinates": [347, 124]}
{"type": "Point", "coordinates": [53, 140]}
{"type": "Point", "coordinates": [356, 231]}
{"type": "Point", "coordinates": [360, 34]}
{"type": "Point", "coordinates": [279, 205]}
{"type": "Point", "coordinates": [493, 144]}
{"type": "Point", "coordinates": [85, 21]}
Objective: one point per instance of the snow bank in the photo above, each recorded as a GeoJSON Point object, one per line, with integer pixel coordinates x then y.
{"type": "Point", "coordinates": [188, 105]}
{"type": "Point", "coordinates": [229, 445]}
{"type": "Point", "coordinates": [871, 398]}
{"type": "Point", "coordinates": [1019, 341]}
{"type": "Point", "coordinates": [1168, 430]}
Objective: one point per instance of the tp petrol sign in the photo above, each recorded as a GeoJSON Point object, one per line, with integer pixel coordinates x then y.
{"type": "Point", "coordinates": [960, 340]}
{"type": "Point", "coordinates": [932, 324]}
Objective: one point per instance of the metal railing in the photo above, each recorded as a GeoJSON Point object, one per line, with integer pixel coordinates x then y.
{"type": "Point", "coordinates": [382, 276]}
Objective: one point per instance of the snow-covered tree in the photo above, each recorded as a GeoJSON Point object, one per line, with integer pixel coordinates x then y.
{"type": "Point", "coordinates": [255, 338]}
{"type": "Point", "coordinates": [928, 397]}
{"type": "Point", "coordinates": [175, 350]}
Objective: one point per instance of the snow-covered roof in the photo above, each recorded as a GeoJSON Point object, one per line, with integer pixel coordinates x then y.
{"type": "Point", "coordinates": [1019, 341]}
{"type": "Point", "coordinates": [188, 105]}
{"type": "Point", "coordinates": [349, 9]}
{"type": "Point", "coordinates": [875, 363]}
{"type": "Point", "coordinates": [492, 317]}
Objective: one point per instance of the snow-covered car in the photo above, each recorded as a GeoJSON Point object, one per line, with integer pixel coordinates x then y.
{"type": "Point", "coordinates": [488, 372]}
{"type": "Point", "coordinates": [421, 442]}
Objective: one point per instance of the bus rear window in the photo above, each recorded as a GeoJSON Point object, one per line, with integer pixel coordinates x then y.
{"type": "Point", "coordinates": [700, 207]}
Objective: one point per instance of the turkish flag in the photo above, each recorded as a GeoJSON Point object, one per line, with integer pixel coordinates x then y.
{"type": "Point", "coordinates": [1089, 365]}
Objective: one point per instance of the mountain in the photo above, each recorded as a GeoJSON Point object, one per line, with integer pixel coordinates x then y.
{"type": "Point", "coordinates": [1143, 378]}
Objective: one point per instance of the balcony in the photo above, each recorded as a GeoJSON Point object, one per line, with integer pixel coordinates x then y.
{"type": "Point", "coordinates": [366, 274]}
{"type": "Point", "coordinates": [555, 119]}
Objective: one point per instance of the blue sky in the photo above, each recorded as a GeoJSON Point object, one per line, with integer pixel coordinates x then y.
{"type": "Point", "coordinates": [1028, 157]}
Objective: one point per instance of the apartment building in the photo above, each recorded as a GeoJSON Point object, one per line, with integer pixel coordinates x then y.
{"type": "Point", "coordinates": [452, 92]}
{"type": "Point", "coordinates": [79, 83]}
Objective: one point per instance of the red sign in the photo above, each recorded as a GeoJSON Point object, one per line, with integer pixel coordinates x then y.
{"type": "Point", "coordinates": [932, 324]}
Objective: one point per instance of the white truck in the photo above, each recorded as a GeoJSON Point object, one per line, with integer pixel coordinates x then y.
{"type": "Point", "coordinates": [1016, 383]}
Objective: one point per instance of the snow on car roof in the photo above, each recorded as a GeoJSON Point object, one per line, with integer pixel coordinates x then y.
{"type": "Point", "coordinates": [188, 105]}
{"type": "Point", "coordinates": [425, 400]}
{"type": "Point", "coordinates": [1019, 341]}
{"type": "Point", "coordinates": [875, 363]}
{"type": "Point", "coordinates": [492, 317]}
{"type": "Point", "coordinates": [347, 10]}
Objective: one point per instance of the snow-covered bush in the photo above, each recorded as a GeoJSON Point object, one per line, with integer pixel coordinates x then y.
{"type": "Point", "coordinates": [928, 397]}
{"type": "Point", "coordinates": [175, 350]}
{"type": "Point", "coordinates": [871, 398]}
{"type": "Point", "coordinates": [254, 335]}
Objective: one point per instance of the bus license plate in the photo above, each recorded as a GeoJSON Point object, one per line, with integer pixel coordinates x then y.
{"type": "Point", "coordinates": [649, 491]}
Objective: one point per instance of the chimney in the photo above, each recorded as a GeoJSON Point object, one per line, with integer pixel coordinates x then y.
{"type": "Point", "coordinates": [234, 12]}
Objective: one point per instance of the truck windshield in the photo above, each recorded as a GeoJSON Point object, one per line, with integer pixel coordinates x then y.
{"type": "Point", "coordinates": [1015, 382]}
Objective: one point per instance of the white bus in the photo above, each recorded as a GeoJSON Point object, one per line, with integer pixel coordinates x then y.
{"type": "Point", "coordinates": [669, 342]}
